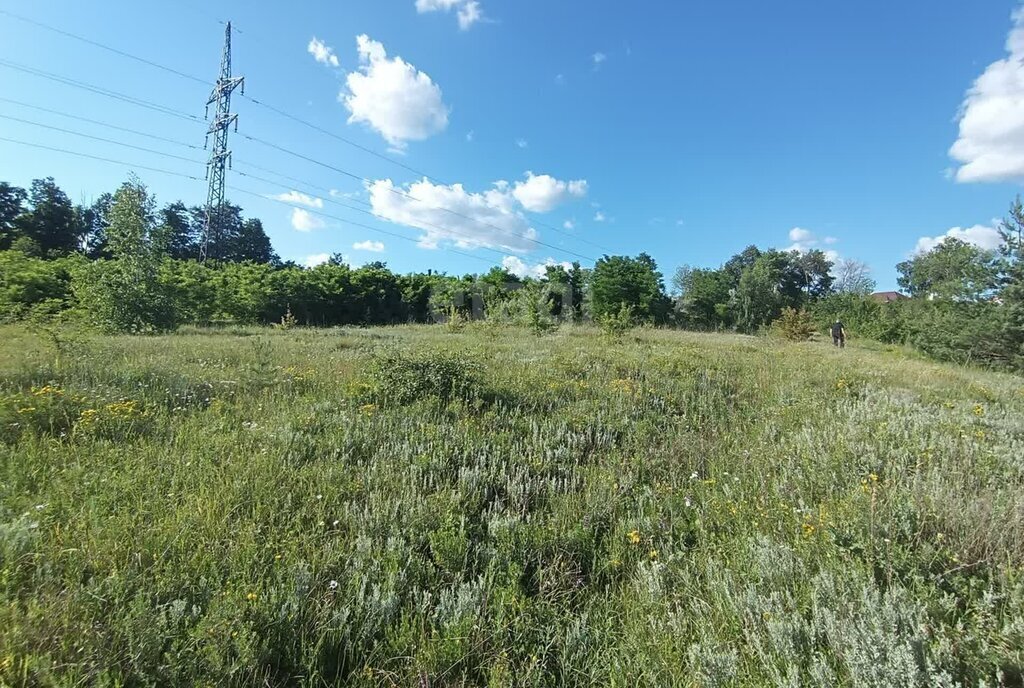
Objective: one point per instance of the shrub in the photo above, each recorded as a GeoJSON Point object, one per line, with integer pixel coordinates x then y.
{"type": "Point", "coordinates": [618, 323]}
{"type": "Point", "coordinates": [795, 325]}
{"type": "Point", "coordinates": [403, 378]}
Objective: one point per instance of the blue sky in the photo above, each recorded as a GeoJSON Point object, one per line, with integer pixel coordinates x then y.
{"type": "Point", "coordinates": [687, 129]}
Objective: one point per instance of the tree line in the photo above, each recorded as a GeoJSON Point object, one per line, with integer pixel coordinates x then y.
{"type": "Point", "coordinates": [124, 264]}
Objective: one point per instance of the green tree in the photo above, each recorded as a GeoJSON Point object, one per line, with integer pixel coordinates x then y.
{"type": "Point", "coordinates": [759, 299]}
{"type": "Point", "coordinates": [180, 232]}
{"type": "Point", "coordinates": [94, 221]}
{"type": "Point", "coordinates": [51, 220]}
{"type": "Point", "coordinates": [633, 282]}
{"type": "Point", "coordinates": [12, 201]}
{"type": "Point", "coordinates": [812, 273]}
{"type": "Point", "coordinates": [125, 293]}
{"type": "Point", "coordinates": [953, 270]}
{"type": "Point", "coordinates": [703, 298]}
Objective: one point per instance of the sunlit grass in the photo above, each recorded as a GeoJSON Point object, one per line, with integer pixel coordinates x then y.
{"type": "Point", "coordinates": [416, 505]}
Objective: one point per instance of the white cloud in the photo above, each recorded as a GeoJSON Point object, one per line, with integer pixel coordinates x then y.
{"type": "Point", "coordinates": [990, 145]}
{"type": "Point", "coordinates": [520, 269]}
{"type": "Point", "coordinates": [300, 199]}
{"type": "Point", "coordinates": [981, 236]}
{"type": "Point", "coordinates": [805, 240]}
{"type": "Point", "coordinates": [800, 235]}
{"type": "Point", "coordinates": [541, 193]}
{"type": "Point", "coordinates": [598, 58]}
{"type": "Point", "coordinates": [599, 216]}
{"type": "Point", "coordinates": [469, 136]}
{"type": "Point", "coordinates": [450, 213]}
{"type": "Point", "coordinates": [522, 143]}
{"type": "Point", "coordinates": [374, 246]}
{"type": "Point", "coordinates": [393, 97]}
{"type": "Point", "coordinates": [316, 259]}
{"type": "Point", "coordinates": [305, 221]}
{"type": "Point", "coordinates": [569, 224]}
{"type": "Point", "coordinates": [468, 12]}
{"type": "Point", "coordinates": [321, 52]}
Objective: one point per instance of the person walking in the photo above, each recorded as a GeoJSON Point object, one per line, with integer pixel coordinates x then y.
{"type": "Point", "coordinates": [838, 334]}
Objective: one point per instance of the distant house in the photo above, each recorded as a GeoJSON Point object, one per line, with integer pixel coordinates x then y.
{"type": "Point", "coordinates": [888, 296]}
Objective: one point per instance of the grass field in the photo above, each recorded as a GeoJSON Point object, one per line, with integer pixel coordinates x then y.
{"type": "Point", "coordinates": [418, 506]}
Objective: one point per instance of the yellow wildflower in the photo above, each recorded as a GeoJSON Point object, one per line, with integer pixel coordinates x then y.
{"type": "Point", "coordinates": [634, 536]}
{"type": "Point", "coordinates": [653, 554]}
{"type": "Point", "coordinates": [979, 410]}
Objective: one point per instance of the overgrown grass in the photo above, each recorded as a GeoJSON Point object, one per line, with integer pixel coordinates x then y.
{"type": "Point", "coordinates": [426, 506]}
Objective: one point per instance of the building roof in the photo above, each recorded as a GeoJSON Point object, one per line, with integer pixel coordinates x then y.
{"type": "Point", "coordinates": [887, 296]}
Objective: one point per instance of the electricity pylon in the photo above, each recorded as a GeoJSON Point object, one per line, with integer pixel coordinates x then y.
{"type": "Point", "coordinates": [220, 156]}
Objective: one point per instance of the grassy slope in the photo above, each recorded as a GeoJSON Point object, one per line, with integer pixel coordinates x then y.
{"type": "Point", "coordinates": [668, 509]}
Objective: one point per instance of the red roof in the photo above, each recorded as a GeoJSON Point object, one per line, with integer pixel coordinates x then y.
{"type": "Point", "coordinates": [887, 296]}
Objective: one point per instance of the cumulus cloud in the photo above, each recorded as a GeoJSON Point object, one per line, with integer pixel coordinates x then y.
{"type": "Point", "coordinates": [805, 240]}
{"type": "Point", "coordinates": [990, 146]}
{"type": "Point", "coordinates": [299, 199]}
{"type": "Point", "coordinates": [493, 218]}
{"type": "Point", "coordinates": [450, 213]}
{"type": "Point", "coordinates": [520, 269]}
{"type": "Point", "coordinates": [305, 221]}
{"type": "Point", "coordinates": [599, 216]}
{"type": "Point", "coordinates": [522, 143]}
{"type": "Point", "coordinates": [398, 101]}
{"type": "Point", "coordinates": [321, 52]}
{"type": "Point", "coordinates": [598, 58]}
{"type": "Point", "coordinates": [541, 193]}
{"type": "Point", "coordinates": [981, 236]}
{"type": "Point", "coordinates": [468, 12]}
{"type": "Point", "coordinates": [569, 224]}
{"type": "Point", "coordinates": [316, 259]}
{"type": "Point", "coordinates": [374, 246]}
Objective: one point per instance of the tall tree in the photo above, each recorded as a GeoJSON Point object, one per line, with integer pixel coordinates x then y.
{"type": "Point", "coordinates": [759, 299]}
{"type": "Point", "coordinates": [853, 277]}
{"type": "Point", "coordinates": [51, 221]}
{"type": "Point", "coordinates": [94, 221]}
{"type": "Point", "coordinates": [125, 294]}
{"type": "Point", "coordinates": [633, 282]}
{"type": "Point", "coordinates": [812, 272]}
{"type": "Point", "coordinates": [954, 270]}
{"type": "Point", "coordinates": [251, 243]}
{"type": "Point", "coordinates": [12, 200]}
{"type": "Point", "coordinates": [180, 231]}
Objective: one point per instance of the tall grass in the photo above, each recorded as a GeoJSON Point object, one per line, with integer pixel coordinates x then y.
{"type": "Point", "coordinates": [432, 506]}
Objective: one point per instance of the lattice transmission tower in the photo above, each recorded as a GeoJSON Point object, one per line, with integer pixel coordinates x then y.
{"type": "Point", "coordinates": [220, 156]}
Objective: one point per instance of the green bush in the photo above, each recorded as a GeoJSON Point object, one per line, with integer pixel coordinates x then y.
{"type": "Point", "coordinates": [795, 325]}
{"type": "Point", "coordinates": [402, 377]}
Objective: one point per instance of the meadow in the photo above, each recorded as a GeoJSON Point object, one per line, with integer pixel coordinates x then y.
{"type": "Point", "coordinates": [482, 506]}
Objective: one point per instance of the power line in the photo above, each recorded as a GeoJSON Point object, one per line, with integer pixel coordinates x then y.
{"type": "Point", "coordinates": [100, 138]}
{"type": "Point", "coordinates": [74, 83]}
{"type": "Point", "coordinates": [409, 196]}
{"type": "Point", "coordinates": [99, 123]}
{"type": "Point", "coordinates": [502, 254]}
{"type": "Point", "coordinates": [282, 113]}
{"type": "Point", "coordinates": [395, 235]}
{"type": "Point", "coordinates": [104, 47]}
{"type": "Point", "coordinates": [102, 159]}
{"type": "Point", "coordinates": [234, 188]}
{"type": "Point", "coordinates": [398, 163]}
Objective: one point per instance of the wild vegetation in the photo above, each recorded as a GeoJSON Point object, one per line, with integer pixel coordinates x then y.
{"type": "Point", "coordinates": [60, 262]}
{"type": "Point", "coordinates": [480, 505]}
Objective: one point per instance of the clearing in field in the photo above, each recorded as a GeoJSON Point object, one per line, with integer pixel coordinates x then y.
{"type": "Point", "coordinates": [418, 506]}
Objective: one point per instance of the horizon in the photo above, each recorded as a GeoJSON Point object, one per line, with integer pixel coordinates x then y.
{"type": "Point", "coordinates": [616, 160]}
